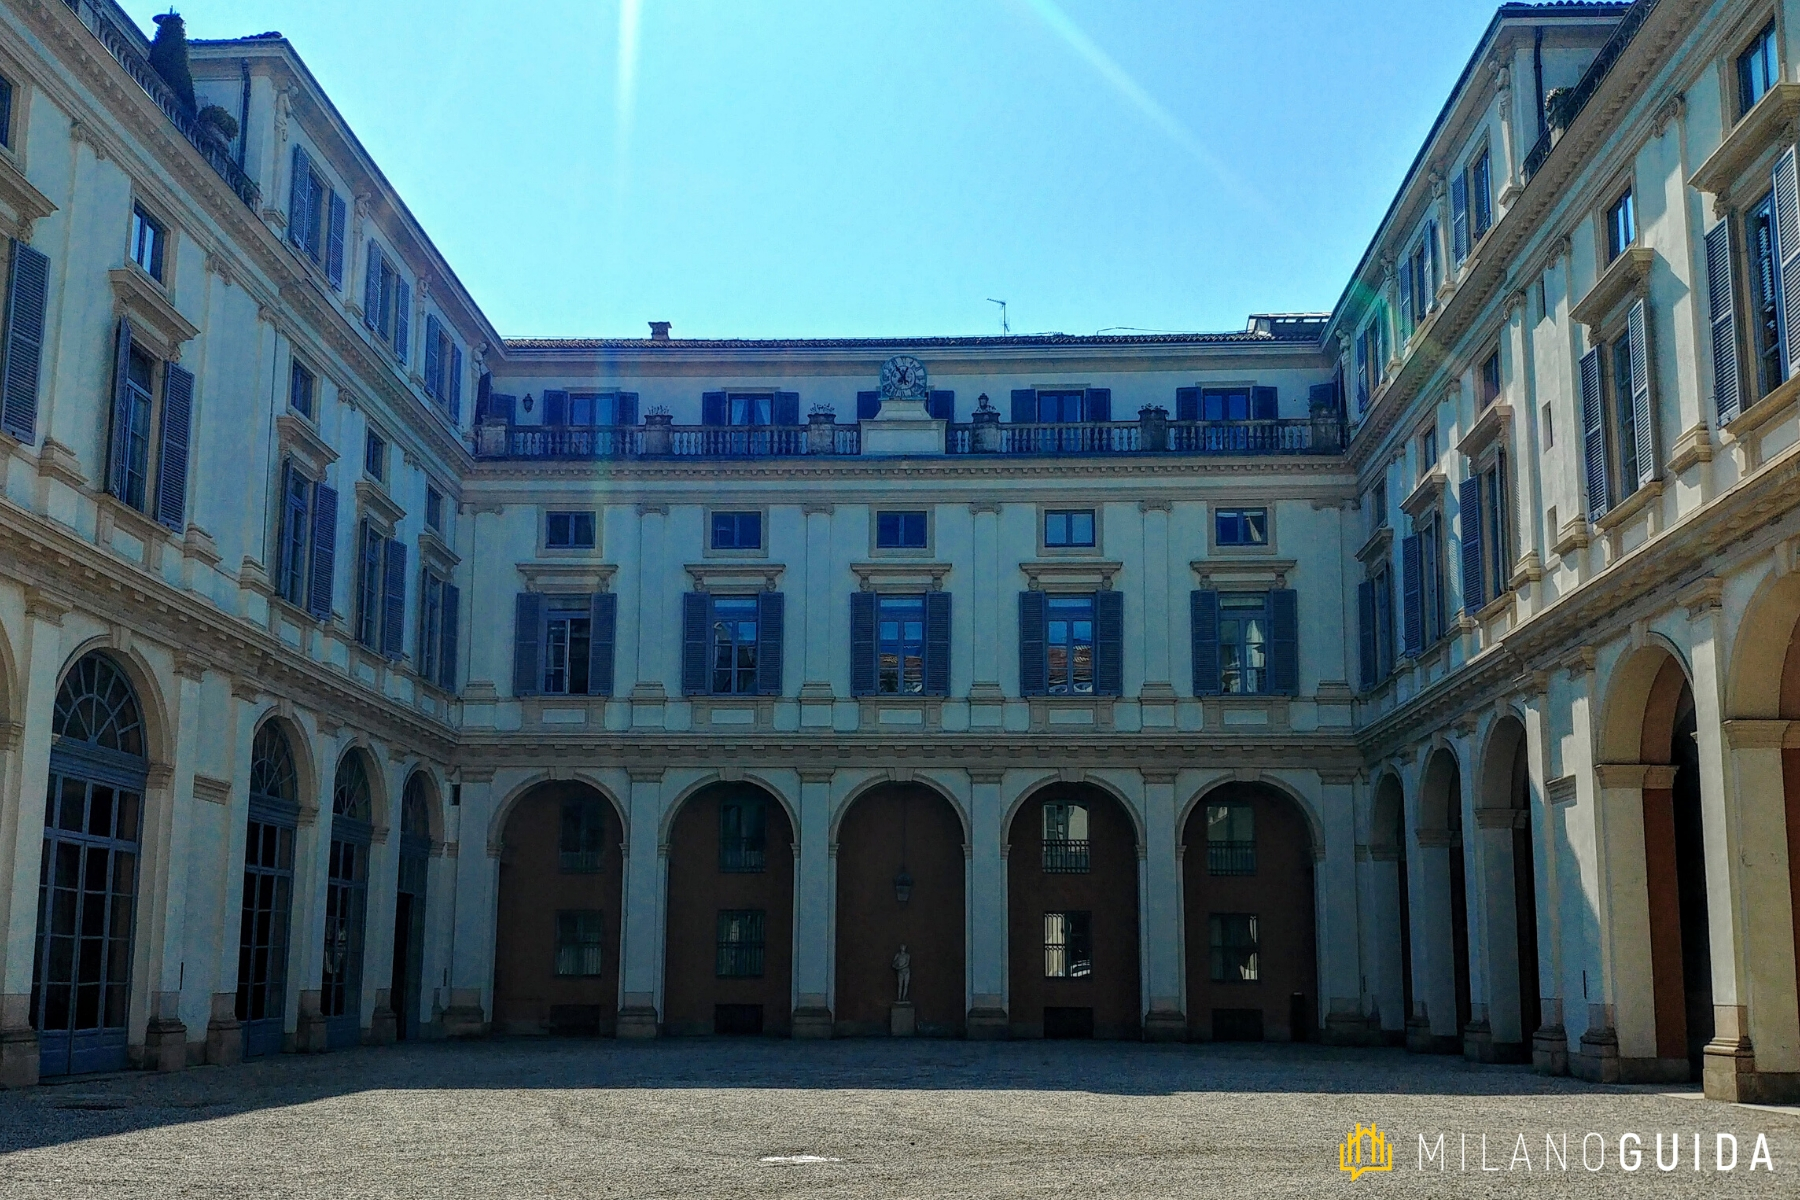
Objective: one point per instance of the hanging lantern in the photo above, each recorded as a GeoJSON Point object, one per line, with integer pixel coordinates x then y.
{"type": "Point", "coordinates": [903, 886]}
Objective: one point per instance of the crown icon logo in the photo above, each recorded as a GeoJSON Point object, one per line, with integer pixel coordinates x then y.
{"type": "Point", "coordinates": [1365, 1149]}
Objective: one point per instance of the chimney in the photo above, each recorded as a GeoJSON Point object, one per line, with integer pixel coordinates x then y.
{"type": "Point", "coordinates": [659, 331]}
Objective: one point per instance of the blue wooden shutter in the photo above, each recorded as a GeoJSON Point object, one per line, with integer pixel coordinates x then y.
{"type": "Point", "coordinates": [603, 609]}
{"type": "Point", "coordinates": [1365, 623]}
{"type": "Point", "coordinates": [937, 643]}
{"type": "Point", "coordinates": [1481, 183]}
{"type": "Point", "coordinates": [447, 618]}
{"type": "Point", "coordinates": [434, 358]}
{"type": "Point", "coordinates": [502, 407]}
{"type": "Point", "coordinates": [768, 643]}
{"type": "Point", "coordinates": [1284, 642]}
{"type": "Point", "coordinates": [1412, 593]}
{"type": "Point", "coordinates": [868, 405]}
{"type": "Point", "coordinates": [942, 405]}
{"type": "Point", "coordinates": [1468, 495]}
{"type": "Point", "coordinates": [335, 212]}
{"type": "Point", "coordinates": [1406, 298]}
{"type": "Point", "coordinates": [1034, 666]}
{"type": "Point", "coordinates": [1643, 417]}
{"type": "Point", "coordinates": [393, 601]}
{"type": "Point", "coordinates": [1203, 631]}
{"type": "Point", "coordinates": [324, 551]}
{"type": "Point", "coordinates": [696, 643]}
{"type": "Point", "coordinates": [121, 410]}
{"type": "Point", "coordinates": [456, 378]}
{"type": "Point", "coordinates": [862, 644]}
{"type": "Point", "coordinates": [300, 201]}
{"type": "Point", "coordinates": [1187, 404]}
{"type": "Point", "coordinates": [1459, 217]}
{"type": "Point", "coordinates": [1024, 406]}
{"type": "Point", "coordinates": [372, 287]}
{"type": "Point", "coordinates": [172, 461]}
{"type": "Point", "coordinates": [402, 318]}
{"type": "Point", "coordinates": [1109, 643]}
{"type": "Point", "coordinates": [1099, 404]}
{"type": "Point", "coordinates": [787, 408]}
{"type": "Point", "coordinates": [528, 624]}
{"type": "Point", "coordinates": [1593, 435]}
{"type": "Point", "coordinates": [556, 406]}
{"type": "Point", "coordinates": [627, 413]}
{"type": "Point", "coordinates": [1265, 403]}
{"type": "Point", "coordinates": [1722, 298]}
{"type": "Point", "coordinates": [27, 292]}
{"type": "Point", "coordinates": [1787, 254]}
{"type": "Point", "coordinates": [713, 409]}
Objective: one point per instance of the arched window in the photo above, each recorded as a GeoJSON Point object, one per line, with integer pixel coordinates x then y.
{"type": "Point", "coordinates": [350, 794]}
{"type": "Point", "coordinates": [415, 807]}
{"type": "Point", "coordinates": [272, 766]}
{"type": "Point", "coordinates": [96, 706]}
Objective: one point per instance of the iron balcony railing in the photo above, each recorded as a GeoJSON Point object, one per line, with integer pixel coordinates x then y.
{"type": "Point", "coordinates": [1144, 437]}
{"type": "Point", "coordinates": [579, 861]}
{"type": "Point", "coordinates": [741, 855]}
{"type": "Point", "coordinates": [1065, 856]}
{"type": "Point", "coordinates": [665, 441]}
{"type": "Point", "coordinates": [216, 151]}
{"type": "Point", "coordinates": [739, 960]}
{"type": "Point", "coordinates": [1230, 858]}
{"type": "Point", "coordinates": [1570, 106]}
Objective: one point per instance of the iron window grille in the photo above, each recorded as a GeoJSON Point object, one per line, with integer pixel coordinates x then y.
{"type": "Point", "coordinates": [579, 943]}
{"type": "Point", "coordinates": [1068, 945]}
{"type": "Point", "coordinates": [1230, 839]}
{"type": "Point", "coordinates": [1234, 948]}
{"type": "Point", "coordinates": [743, 837]}
{"type": "Point", "coordinates": [1065, 840]}
{"type": "Point", "coordinates": [581, 843]}
{"type": "Point", "coordinates": [740, 944]}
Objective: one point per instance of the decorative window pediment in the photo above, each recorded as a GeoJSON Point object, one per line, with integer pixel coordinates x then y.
{"type": "Point", "coordinates": [909, 576]}
{"type": "Point", "coordinates": [1765, 130]}
{"type": "Point", "coordinates": [1428, 495]}
{"type": "Point", "coordinates": [302, 442]}
{"type": "Point", "coordinates": [20, 203]}
{"type": "Point", "coordinates": [1627, 279]}
{"type": "Point", "coordinates": [379, 507]}
{"type": "Point", "coordinates": [1243, 572]}
{"type": "Point", "coordinates": [741, 576]}
{"type": "Point", "coordinates": [1071, 575]}
{"type": "Point", "coordinates": [153, 317]}
{"type": "Point", "coordinates": [564, 576]}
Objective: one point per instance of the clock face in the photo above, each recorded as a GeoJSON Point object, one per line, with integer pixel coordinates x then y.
{"type": "Point", "coordinates": [903, 377]}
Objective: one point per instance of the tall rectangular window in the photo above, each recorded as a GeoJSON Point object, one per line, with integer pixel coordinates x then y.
{"type": "Point", "coordinates": [1069, 645]}
{"type": "Point", "coordinates": [740, 944]}
{"type": "Point", "coordinates": [734, 645]}
{"type": "Point", "coordinates": [1428, 450]}
{"type": "Point", "coordinates": [1230, 839]}
{"type": "Point", "coordinates": [1233, 947]}
{"type": "Point", "coordinates": [431, 626]}
{"type": "Point", "coordinates": [743, 836]}
{"type": "Point", "coordinates": [1621, 226]}
{"type": "Point", "coordinates": [900, 530]}
{"type": "Point", "coordinates": [1488, 385]}
{"type": "Point", "coordinates": [301, 390]}
{"type": "Point", "coordinates": [147, 238]}
{"type": "Point", "coordinates": [1765, 299]}
{"type": "Point", "coordinates": [368, 586]}
{"type": "Point", "coordinates": [1383, 578]}
{"type": "Point", "coordinates": [1497, 537]}
{"type": "Point", "coordinates": [900, 649]}
{"type": "Point", "coordinates": [374, 456]}
{"type": "Point", "coordinates": [296, 508]}
{"type": "Point", "coordinates": [140, 372]}
{"type": "Point", "coordinates": [1065, 842]}
{"type": "Point", "coordinates": [568, 630]}
{"type": "Point", "coordinates": [1241, 526]}
{"type": "Point", "coordinates": [1243, 642]}
{"type": "Point", "coordinates": [1068, 945]}
{"type": "Point", "coordinates": [1481, 194]}
{"type": "Point", "coordinates": [737, 531]}
{"type": "Point", "coordinates": [581, 839]}
{"type": "Point", "coordinates": [569, 531]}
{"type": "Point", "coordinates": [434, 508]}
{"type": "Point", "coordinates": [1624, 426]}
{"type": "Point", "coordinates": [6, 111]}
{"type": "Point", "coordinates": [1431, 564]}
{"type": "Point", "coordinates": [1069, 527]}
{"type": "Point", "coordinates": [1757, 69]}
{"type": "Point", "coordinates": [579, 947]}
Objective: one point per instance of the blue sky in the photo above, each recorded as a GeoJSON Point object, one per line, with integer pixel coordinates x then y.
{"type": "Point", "coordinates": [757, 168]}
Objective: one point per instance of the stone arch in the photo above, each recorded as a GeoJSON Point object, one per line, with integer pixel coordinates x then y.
{"type": "Point", "coordinates": [1506, 866]}
{"type": "Point", "coordinates": [306, 766]}
{"type": "Point", "coordinates": [1438, 885]}
{"type": "Point", "coordinates": [377, 778]}
{"type": "Point", "coordinates": [881, 780]}
{"type": "Point", "coordinates": [1641, 693]}
{"type": "Point", "coordinates": [9, 680]}
{"type": "Point", "coordinates": [1315, 827]}
{"type": "Point", "coordinates": [1443, 767]}
{"type": "Point", "coordinates": [503, 810]}
{"type": "Point", "coordinates": [1249, 890]}
{"type": "Point", "coordinates": [673, 810]}
{"type": "Point", "coordinates": [1392, 899]}
{"type": "Point", "coordinates": [1387, 812]}
{"type": "Point", "coordinates": [153, 707]}
{"type": "Point", "coordinates": [434, 801]}
{"type": "Point", "coordinates": [1762, 685]}
{"type": "Point", "coordinates": [1088, 778]}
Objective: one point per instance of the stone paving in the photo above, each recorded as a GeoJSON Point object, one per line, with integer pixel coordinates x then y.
{"type": "Point", "coordinates": [702, 1118]}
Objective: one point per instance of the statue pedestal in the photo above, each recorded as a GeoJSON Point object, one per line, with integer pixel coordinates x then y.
{"type": "Point", "coordinates": [900, 1020]}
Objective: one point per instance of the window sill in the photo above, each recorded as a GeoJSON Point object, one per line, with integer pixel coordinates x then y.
{"type": "Point", "coordinates": [1747, 426]}
{"type": "Point", "coordinates": [20, 203]}
{"type": "Point", "coordinates": [723, 714]}
{"type": "Point", "coordinates": [1428, 495]}
{"type": "Point", "coordinates": [1252, 712]}
{"type": "Point", "coordinates": [1627, 277]}
{"type": "Point", "coordinates": [1489, 430]}
{"type": "Point", "coordinates": [1072, 714]}
{"type": "Point", "coordinates": [1630, 507]}
{"type": "Point", "coordinates": [553, 711]}
{"type": "Point", "coordinates": [114, 513]}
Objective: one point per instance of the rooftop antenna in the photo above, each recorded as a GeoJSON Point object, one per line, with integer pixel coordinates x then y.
{"type": "Point", "coordinates": [1005, 329]}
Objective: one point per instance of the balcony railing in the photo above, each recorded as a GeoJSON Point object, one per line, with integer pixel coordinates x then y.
{"type": "Point", "coordinates": [1065, 856]}
{"type": "Point", "coordinates": [1230, 858]}
{"type": "Point", "coordinates": [1572, 104]}
{"type": "Point", "coordinates": [664, 441]}
{"type": "Point", "coordinates": [1149, 437]}
{"type": "Point", "coordinates": [216, 151]}
{"type": "Point", "coordinates": [742, 855]}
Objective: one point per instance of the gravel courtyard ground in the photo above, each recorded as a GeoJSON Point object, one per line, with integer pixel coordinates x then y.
{"type": "Point", "coordinates": [703, 1118]}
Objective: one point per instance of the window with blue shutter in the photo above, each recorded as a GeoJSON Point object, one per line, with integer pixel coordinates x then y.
{"type": "Point", "coordinates": [942, 405]}
{"type": "Point", "coordinates": [868, 406]}
{"type": "Point", "coordinates": [627, 408]}
{"type": "Point", "coordinates": [1722, 306]}
{"type": "Point", "coordinates": [862, 643]}
{"type": "Point", "coordinates": [1468, 496]}
{"type": "Point", "coordinates": [21, 343]}
{"type": "Point", "coordinates": [454, 400]}
{"type": "Point", "coordinates": [1643, 416]}
{"type": "Point", "coordinates": [1785, 194]}
{"type": "Point", "coordinates": [334, 242]}
{"type": "Point", "coordinates": [769, 609]}
{"type": "Point", "coordinates": [300, 200]}
{"type": "Point", "coordinates": [1412, 594]}
{"type": "Point", "coordinates": [1284, 642]}
{"type": "Point", "coordinates": [434, 358]}
{"type": "Point", "coordinates": [1481, 195]}
{"type": "Point", "coordinates": [1593, 437]}
{"type": "Point", "coordinates": [372, 287]}
{"type": "Point", "coordinates": [393, 601]}
{"type": "Point", "coordinates": [402, 318]}
{"type": "Point", "coordinates": [696, 643]}
{"type": "Point", "coordinates": [1365, 623]}
{"type": "Point", "coordinates": [128, 467]}
{"type": "Point", "coordinates": [528, 620]}
{"type": "Point", "coordinates": [937, 643]}
{"type": "Point", "coordinates": [1033, 668]}
{"type": "Point", "coordinates": [1024, 406]}
{"type": "Point", "coordinates": [172, 461]}
{"type": "Point", "coordinates": [1203, 637]}
{"type": "Point", "coordinates": [1099, 405]}
{"type": "Point", "coordinates": [556, 406]}
{"type": "Point", "coordinates": [1265, 403]}
{"type": "Point", "coordinates": [324, 551]}
{"type": "Point", "coordinates": [715, 409]}
{"type": "Point", "coordinates": [1459, 218]}
{"type": "Point", "coordinates": [603, 609]}
{"type": "Point", "coordinates": [1187, 404]}
{"type": "Point", "coordinates": [290, 536]}
{"type": "Point", "coordinates": [1109, 643]}
{"type": "Point", "coordinates": [452, 606]}
{"type": "Point", "coordinates": [787, 408]}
